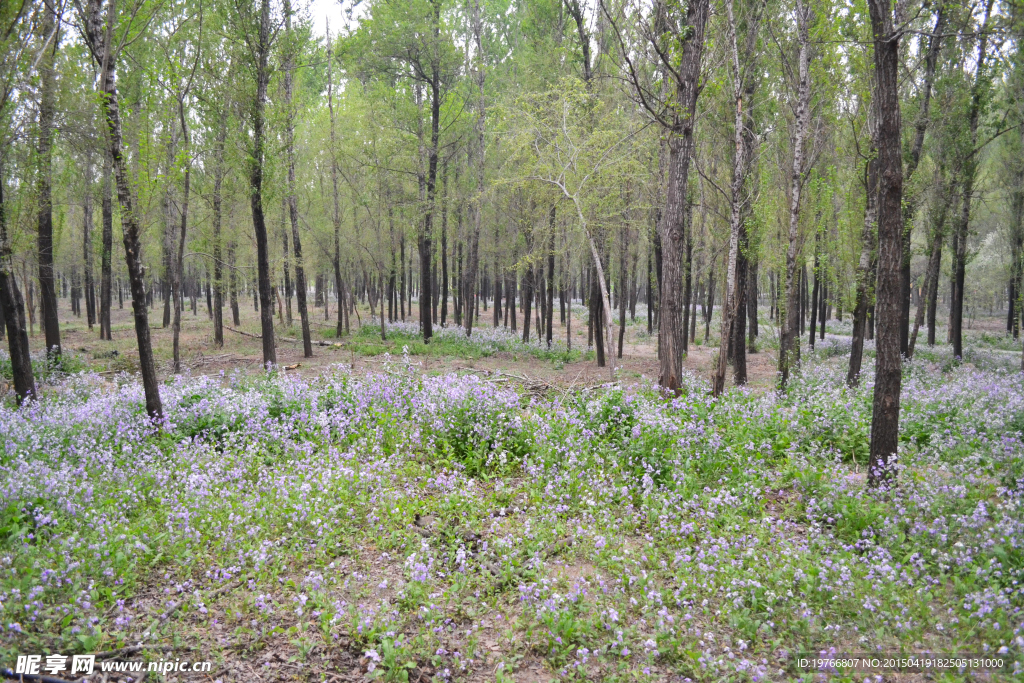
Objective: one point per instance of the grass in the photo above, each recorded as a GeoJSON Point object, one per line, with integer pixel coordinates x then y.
{"type": "Point", "coordinates": [453, 342]}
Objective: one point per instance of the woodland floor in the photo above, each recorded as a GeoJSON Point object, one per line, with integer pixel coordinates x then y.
{"type": "Point", "coordinates": [499, 516]}
{"type": "Point", "coordinates": [201, 356]}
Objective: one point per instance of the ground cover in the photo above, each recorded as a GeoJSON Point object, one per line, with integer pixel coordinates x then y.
{"type": "Point", "coordinates": [411, 526]}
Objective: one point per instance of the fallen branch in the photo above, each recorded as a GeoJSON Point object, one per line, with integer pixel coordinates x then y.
{"type": "Point", "coordinates": [289, 340]}
{"type": "Point", "coordinates": [244, 334]}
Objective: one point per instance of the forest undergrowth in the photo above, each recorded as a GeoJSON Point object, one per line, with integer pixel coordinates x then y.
{"type": "Point", "coordinates": [408, 527]}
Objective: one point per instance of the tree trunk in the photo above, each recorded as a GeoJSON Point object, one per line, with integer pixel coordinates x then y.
{"type": "Point", "coordinates": [100, 44]}
{"type": "Point", "coordinates": [752, 305]}
{"type": "Point", "coordinates": [815, 292]}
{"type": "Point", "coordinates": [233, 284]}
{"type": "Point", "coordinates": [910, 199]}
{"type": "Point", "coordinates": [931, 280]}
{"type": "Point", "coordinates": [527, 302]}
{"type": "Point", "coordinates": [671, 228]}
{"type": "Point", "coordinates": [47, 292]}
{"type": "Point", "coordinates": [293, 206]}
{"type": "Point", "coordinates": [789, 341]}
{"type": "Point", "coordinates": [286, 285]}
{"type": "Point", "coordinates": [444, 248]}
{"type": "Point", "coordinates": [551, 282]}
{"type": "Point", "coordinates": [262, 54]}
{"type": "Point", "coordinates": [969, 172]}
{"type": "Point", "coordinates": [90, 294]}
{"type": "Point", "coordinates": [622, 289]}
{"type": "Point", "coordinates": [218, 284]}
{"type": "Point", "coordinates": [169, 225]}
{"type": "Point", "coordinates": [14, 313]}
{"type": "Point", "coordinates": [179, 259]}
{"type": "Point", "coordinates": [888, 366]}
{"type": "Point", "coordinates": [869, 234]}
{"type": "Point", "coordinates": [107, 213]}
{"type": "Point", "coordinates": [734, 305]}
{"type": "Point", "coordinates": [336, 256]}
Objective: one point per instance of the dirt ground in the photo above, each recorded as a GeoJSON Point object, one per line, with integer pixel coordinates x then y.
{"type": "Point", "coordinates": [201, 356]}
{"type": "Point", "coordinates": [242, 349]}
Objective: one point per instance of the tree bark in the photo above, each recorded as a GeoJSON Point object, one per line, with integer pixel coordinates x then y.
{"type": "Point", "coordinates": [47, 292]}
{"type": "Point", "coordinates": [969, 172]}
{"type": "Point", "coordinates": [336, 256]}
{"type": "Point", "coordinates": [752, 305]}
{"type": "Point", "coordinates": [478, 148]}
{"type": "Point", "coordinates": [14, 312]}
{"type": "Point", "coordinates": [931, 280]}
{"type": "Point", "coordinates": [789, 341]}
{"type": "Point", "coordinates": [233, 284]}
{"type": "Point", "coordinates": [100, 44]}
{"type": "Point", "coordinates": [87, 223]}
{"type": "Point", "coordinates": [914, 158]}
{"type": "Point", "coordinates": [444, 249]}
{"type": "Point", "coordinates": [293, 206]}
{"type": "Point", "coordinates": [816, 291]}
{"type": "Point", "coordinates": [107, 213]}
{"type": "Point", "coordinates": [869, 235]}
{"type": "Point", "coordinates": [671, 228]}
{"type": "Point", "coordinates": [262, 54]}
{"type": "Point", "coordinates": [179, 258]}
{"type": "Point", "coordinates": [888, 366]}
{"type": "Point", "coordinates": [218, 181]}
{"type": "Point", "coordinates": [551, 282]}
{"type": "Point", "coordinates": [734, 305]}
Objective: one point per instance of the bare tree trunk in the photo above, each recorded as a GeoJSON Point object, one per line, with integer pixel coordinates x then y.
{"type": "Point", "coordinates": [910, 200]}
{"type": "Point", "coordinates": [107, 213]}
{"type": "Point", "coordinates": [218, 284]}
{"type": "Point", "coordinates": [551, 282]}
{"type": "Point", "coordinates": [100, 44]}
{"type": "Point", "coordinates": [293, 207]}
{"type": "Point", "coordinates": [527, 298]}
{"type": "Point", "coordinates": [262, 54]}
{"type": "Point", "coordinates": [336, 260]}
{"type": "Point", "coordinates": [622, 289]}
{"type": "Point", "coordinates": [47, 292]}
{"type": "Point", "coordinates": [179, 259]}
{"type": "Point", "coordinates": [789, 341]}
{"type": "Point", "coordinates": [969, 172]}
{"type": "Point", "coordinates": [752, 269]}
{"type": "Point", "coordinates": [169, 225]}
{"type": "Point", "coordinates": [865, 283]}
{"type": "Point", "coordinates": [444, 247]}
{"type": "Point", "coordinates": [14, 312]}
{"type": "Point", "coordinates": [286, 284]}
{"type": "Point", "coordinates": [233, 285]}
{"type": "Point", "coordinates": [477, 147]}
{"type": "Point", "coordinates": [90, 293]}
{"type": "Point", "coordinates": [931, 279]}
{"type": "Point", "coordinates": [888, 363]}
{"type": "Point", "coordinates": [672, 228]}
{"type": "Point", "coordinates": [734, 305]}
{"type": "Point", "coordinates": [816, 291]}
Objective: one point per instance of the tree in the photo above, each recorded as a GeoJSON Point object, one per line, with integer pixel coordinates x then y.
{"type": "Point", "coordinates": [968, 176]}
{"type": "Point", "coordinates": [293, 206]}
{"type": "Point", "coordinates": [50, 30]}
{"type": "Point", "coordinates": [677, 44]}
{"type": "Point", "coordinates": [744, 81]}
{"type": "Point", "coordinates": [100, 40]}
{"type": "Point", "coordinates": [258, 38]}
{"type": "Point", "coordinates": [885, 414]}
{"type": "Point", "coordinates": [789, 337]}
